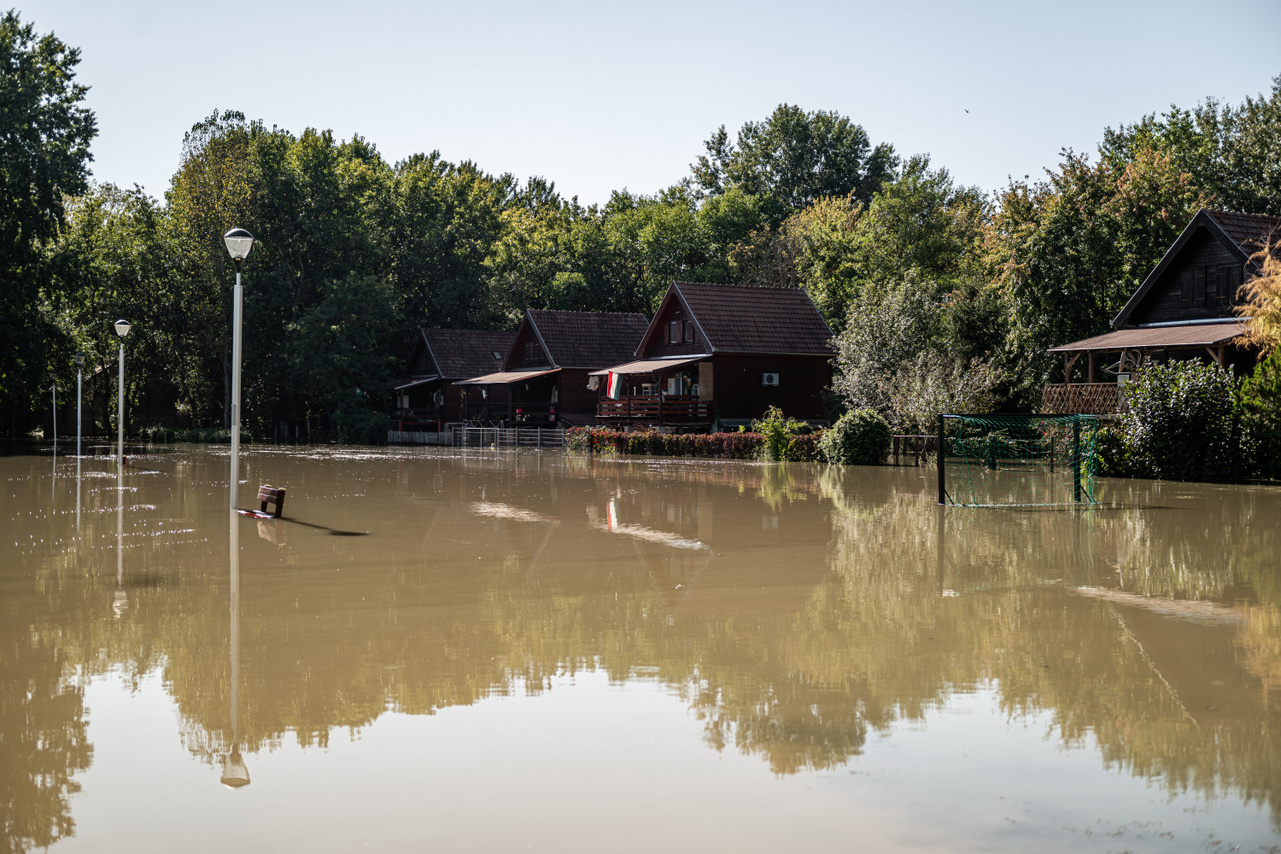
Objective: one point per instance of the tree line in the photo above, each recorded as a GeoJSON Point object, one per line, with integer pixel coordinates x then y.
{"type": "Point", "coordinates": [940, 295]}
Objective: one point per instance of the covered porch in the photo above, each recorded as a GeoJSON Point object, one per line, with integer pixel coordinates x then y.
{"type": "Point", "coordinates": [528, 398]}
{"type": "Point", "coordinates": [1133, 350]}
{"type": "Point", "coordinates": [657, 392]}
{"type": "Point", "coordinates": [420, 404]}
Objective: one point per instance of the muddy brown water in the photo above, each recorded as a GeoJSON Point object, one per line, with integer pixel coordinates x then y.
{"type": "Point", "coordinates": [499, 651]}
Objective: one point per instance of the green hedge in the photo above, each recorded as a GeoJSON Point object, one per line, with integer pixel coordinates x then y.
{"type": "Point", "coordinates": [726, 446]}
{"type": "Point", "coordinates": [158, 435]}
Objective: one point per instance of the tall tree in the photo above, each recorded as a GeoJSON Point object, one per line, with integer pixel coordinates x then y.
{"type": "Point", "coordinates": [45, 131]}
{"type": "Point", "coordinates": [794, 158]}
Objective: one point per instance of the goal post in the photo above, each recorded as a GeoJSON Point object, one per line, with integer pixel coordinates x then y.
{"type": "Point", "coordinates": [1017, 460]}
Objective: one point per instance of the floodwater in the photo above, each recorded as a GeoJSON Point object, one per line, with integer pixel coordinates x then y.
{"type": "Point", "coordinates": [497, 651]}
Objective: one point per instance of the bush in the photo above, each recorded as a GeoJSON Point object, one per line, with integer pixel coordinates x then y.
{"type": "Point", "coordinates": [157, 435]}
{"type": "Point", "coordinates": [777, 432]}
{"type": "Point", "coordinates": [731, 446]}
{"type": "Point", "coordinates": [1181, 422]}
{"type": "Point", "coordinates": [860, 438]}
{"type": "Point", "coordinates": [1113, 459]}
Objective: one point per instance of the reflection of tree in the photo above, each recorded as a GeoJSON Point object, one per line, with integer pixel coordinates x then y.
{"type": "Point", "coordinates": [792, 627]}
{"type": "Point", "coordinates": [42, 737]}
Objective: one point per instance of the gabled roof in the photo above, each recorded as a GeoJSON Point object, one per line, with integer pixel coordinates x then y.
{"type": "Point", "coordinates": [742, 319]}
{"type": "Point", "coordinates": [587, 339]}
{"type": "Point", "coordinates": [1243, 234]}
{"type": "Point", "coordinates": [462, 353]}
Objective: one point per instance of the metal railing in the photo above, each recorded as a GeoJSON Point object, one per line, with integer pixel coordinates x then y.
{"type": "Point", "coordinates": [509, 437]}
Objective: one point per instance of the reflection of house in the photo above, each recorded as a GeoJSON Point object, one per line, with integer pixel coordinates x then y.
{"type": "Point", "coordinates": [1185, 308]}
{"type": "Point", "coordinates": [544, 376]}
{"type": "Point", "coordinates": [723, 353]}
{"type": "Point", "coordinates": [427, 398]}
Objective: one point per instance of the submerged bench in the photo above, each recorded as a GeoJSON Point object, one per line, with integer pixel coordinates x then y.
{"type": "Point", "coordinates": [272, 495]}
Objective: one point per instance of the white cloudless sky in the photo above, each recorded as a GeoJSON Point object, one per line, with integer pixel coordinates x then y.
{"type": "Point", "coordinates": [602, 96]}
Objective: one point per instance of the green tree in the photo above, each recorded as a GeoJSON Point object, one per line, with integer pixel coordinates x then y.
{"type": "Point", "coordinates": [1067, 252]}
{"type": "Point", "coordinates": [794, 158]}
{"type": "Point", "coordinates": [45, 131]}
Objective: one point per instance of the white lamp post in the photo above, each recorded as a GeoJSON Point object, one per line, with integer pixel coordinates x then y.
{"type": "Point", "coordinates": [80, 361]}
{"type": "Point", "coordinates": [239, 242]}
{"type": "Point", "coordinates": [122, 329]}
{"type": "Point", "coordinates": [53, 378]}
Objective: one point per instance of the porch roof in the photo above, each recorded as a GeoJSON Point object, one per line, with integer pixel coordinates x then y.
{"type": "Point", "coordinates": [417, 381]}
{"type": "Point", "coordinates": [507, 377]}
{"type": "Point", "coordinates": [1158, 338]}
{"type": "Point", "coordinates": [649, 366]}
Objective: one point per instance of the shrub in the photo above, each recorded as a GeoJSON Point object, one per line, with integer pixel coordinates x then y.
{"type": "Point", "coordinates": [777, 432]}
{"type": "Point", "coordinates": [861, 437]}
{"type": "Point", "coordinates": [603, 440]}
{"type": "Point", "coordinates": [1181, 422]}
{"type": "Point", "coordinates": [1113, 459]}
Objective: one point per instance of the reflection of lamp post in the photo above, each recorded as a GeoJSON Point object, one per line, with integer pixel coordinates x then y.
{"type": "Point", "coordinates": [239, 242]}
{"type": "Point", "coordinates": [122, 329]}
{"type": "Point", "coordinates": [80, 361]}
{"type": "Point", "coordinates": [234, 772]}
{"type": "Point", "coordinates": [121, 601]}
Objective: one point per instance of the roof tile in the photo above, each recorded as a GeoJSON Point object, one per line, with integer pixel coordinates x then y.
{"type": "Point", "coordinates": [589, 339]}
{"type": "Point", "coordinates": [461, 353]}
{"type": "Point", "coordinates": [742, 319]}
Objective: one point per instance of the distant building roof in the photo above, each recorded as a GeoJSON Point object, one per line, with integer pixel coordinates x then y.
{"type": "Point", "coordinates": [462, 353]}
{"type": "Point", "coordinates": [588, 339]}
{"type": "Point", "coordinates": [741, 319]}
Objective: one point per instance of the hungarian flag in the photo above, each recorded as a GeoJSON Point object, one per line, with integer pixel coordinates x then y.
{"type": "Point", "coordinates": [613, 385]}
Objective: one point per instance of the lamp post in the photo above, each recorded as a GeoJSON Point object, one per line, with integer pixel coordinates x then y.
{"type": "Point", "coordinates": [80, 361]}
{"type": "Point", "coordinates": [122, 329]}
{"type": "Point", "coordinates": [53, 379]}
{"type": "Point", "coordinates": [239, 242]}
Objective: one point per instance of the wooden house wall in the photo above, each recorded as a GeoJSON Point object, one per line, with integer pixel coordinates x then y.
{"type": "Point", "coordinates": [1200, 284]}
{"type": "Point", "coordinates": [420, 361]}
{"type": "Point", "coordinates": [577, 401]}
{"type": "Point", "coordinates": [526, 351]}
{"type": "Point", "coordinates": [801, 380]}
{"type": "Point", "coordinates": [683, 339]}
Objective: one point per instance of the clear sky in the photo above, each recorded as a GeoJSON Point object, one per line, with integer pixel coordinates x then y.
{"type": "Point", "coordinates": [598, 96]}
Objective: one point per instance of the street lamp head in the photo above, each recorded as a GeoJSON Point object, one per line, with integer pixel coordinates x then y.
{"type": "Point", "coordinates": [80, 359]}
{"type": "Point", "coordinates": [122, 328]}
{"type": "Point", "coordinates": [239, 242]}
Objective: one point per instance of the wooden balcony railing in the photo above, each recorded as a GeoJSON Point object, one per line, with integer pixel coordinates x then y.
{"type": "Point", "coordinates": [420, 416]}
{"type": "Point", "coordinates": [1082, 399]}
{"type": "Point", "coordinates": [654, 408]}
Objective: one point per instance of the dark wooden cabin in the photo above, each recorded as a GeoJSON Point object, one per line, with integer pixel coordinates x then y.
{"type": "Point", "coordinates": [427, 398]}
{"type": "Point", "coordinates": [1185, 308]}
{"type": "Point", "coordinates": [721, 355]}
{"type": "Point", "coordinates": [545, 373]}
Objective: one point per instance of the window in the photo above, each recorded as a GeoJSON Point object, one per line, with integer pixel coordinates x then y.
{"type": "Point", "coordinates": [497, 355]}
{"type": "Point", "coordinates": [689, 330]}
{"type": "Point", "coordinates": [674, 332]}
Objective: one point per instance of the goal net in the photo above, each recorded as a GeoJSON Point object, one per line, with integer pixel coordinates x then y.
{"type": "Point", "coordinates": [1017, 460]}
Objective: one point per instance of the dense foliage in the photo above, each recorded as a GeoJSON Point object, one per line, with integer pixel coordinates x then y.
{"type": "Point", "coordinates": [939, 295]}
{"type": "Point", "coordinates": [1181, 422]}
{"type": "Point", "coordinates": [861, 438]}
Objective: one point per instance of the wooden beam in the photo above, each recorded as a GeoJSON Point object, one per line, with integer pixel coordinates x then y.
{"type": "Point", "coordinates": [1091, 366]}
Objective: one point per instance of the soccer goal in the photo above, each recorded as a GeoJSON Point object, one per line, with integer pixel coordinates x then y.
{"type": "Point", "coordinates": [1017, 460]}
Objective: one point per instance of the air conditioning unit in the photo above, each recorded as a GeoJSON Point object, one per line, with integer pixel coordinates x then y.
{"type": "Point", "coordinates": [769, 379]}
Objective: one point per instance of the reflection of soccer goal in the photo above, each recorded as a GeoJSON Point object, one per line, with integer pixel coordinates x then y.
{"type": "Point", "coordinates": [1017, 460]}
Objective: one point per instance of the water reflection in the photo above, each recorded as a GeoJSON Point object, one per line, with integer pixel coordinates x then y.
{"type": "Point", "coordinates": [797, 610]}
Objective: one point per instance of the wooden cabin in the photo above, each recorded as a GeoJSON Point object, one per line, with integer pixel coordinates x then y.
{"type": "Point", "coordinates": [543, 379]}
{"type": "Point", "coordinates": [1184, 309]}
{"type": "Point", "coordinates": [427, 398]}
{"type": "Point", "coordinates": [720, 355]}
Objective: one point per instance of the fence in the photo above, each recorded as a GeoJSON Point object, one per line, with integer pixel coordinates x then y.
{"type": "Point", "coordinates": [509, 437]}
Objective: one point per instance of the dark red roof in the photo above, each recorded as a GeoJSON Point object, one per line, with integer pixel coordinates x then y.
{"type": "Point", "coordinates": [588, 339]}
{"type": "Point", "coordinates": [1248, 231]}
{"type": "Point", "coordinates": [741, 319]}
{"type": "Point", "coordinates": [461, 353]}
